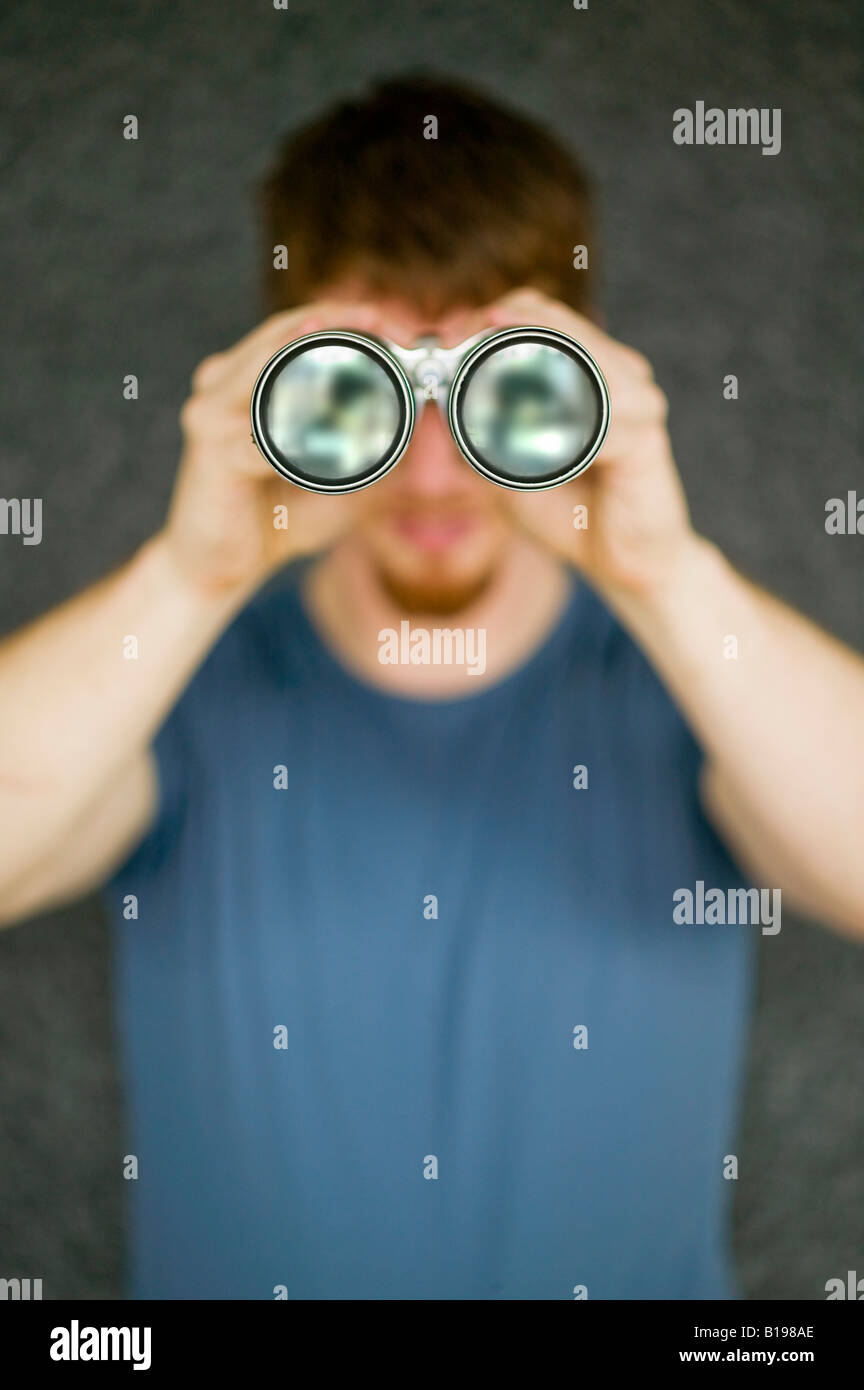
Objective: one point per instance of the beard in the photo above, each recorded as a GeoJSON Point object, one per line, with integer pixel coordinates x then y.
{"type": "Point", "coordinates": [436, 595]}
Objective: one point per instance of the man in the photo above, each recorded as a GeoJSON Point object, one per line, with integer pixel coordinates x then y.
{"type": "Point", "coordinates": [410, 1007]}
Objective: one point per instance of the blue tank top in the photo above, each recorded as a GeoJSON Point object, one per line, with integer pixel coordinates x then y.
{"type": "Point", "coordinates": [411, 1019]}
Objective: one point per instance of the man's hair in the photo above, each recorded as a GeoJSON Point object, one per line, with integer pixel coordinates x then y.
{"type": "Point", "coordinates": [492, 203]}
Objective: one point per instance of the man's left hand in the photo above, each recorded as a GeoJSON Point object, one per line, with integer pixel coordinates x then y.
{"type": "Point", "coordinates": [635, 527]}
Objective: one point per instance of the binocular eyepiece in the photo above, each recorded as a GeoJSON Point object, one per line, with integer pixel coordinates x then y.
{"type": "Point", "coordinates": [334, 411]}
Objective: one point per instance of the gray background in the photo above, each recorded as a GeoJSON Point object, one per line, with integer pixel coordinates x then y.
{"type": "Point", "coordinates": [141, 257]}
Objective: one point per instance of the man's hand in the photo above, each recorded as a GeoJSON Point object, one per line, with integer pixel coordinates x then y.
{"type": "Point", "coordinates": [636, 523]}
{"type": "Point", "coordinates": [220, 529]}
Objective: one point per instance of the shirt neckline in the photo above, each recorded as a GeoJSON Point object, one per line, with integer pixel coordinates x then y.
{"type": "Point", "coordinates": [555, 638]}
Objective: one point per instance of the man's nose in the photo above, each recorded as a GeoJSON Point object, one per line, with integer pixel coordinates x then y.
{"type": "Point", "coordinates": [432, 465]}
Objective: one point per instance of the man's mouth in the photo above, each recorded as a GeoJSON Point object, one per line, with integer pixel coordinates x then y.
{"type": "Point", "coordinates": [434, 533]}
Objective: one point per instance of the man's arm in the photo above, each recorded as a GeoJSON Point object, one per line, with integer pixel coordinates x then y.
{"type": "Point", "coordinates": [782, 723]}
{"type": "Point", "coordinates": [95, 845]}
{"type": "Point", "coordinates": [77, 784]}
{"type": "Point", "coordinates": [76, 781]}
{"type": "Point", "coordinates": [778, 706]}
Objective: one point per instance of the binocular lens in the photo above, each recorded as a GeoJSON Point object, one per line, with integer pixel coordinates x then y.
{"type": "Point", "coordinates": [332, 413]}
{"type": "Point", "coordinates": [529, 412]}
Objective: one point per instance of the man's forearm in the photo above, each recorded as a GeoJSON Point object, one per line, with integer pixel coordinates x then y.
{"type": "Point", "coordinates": [778, 706]}
{"type": "Point", "coordinates": [85, 686]}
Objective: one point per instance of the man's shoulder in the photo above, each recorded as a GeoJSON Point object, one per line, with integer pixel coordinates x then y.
{"type": "Point", "coordinates": [265, 640]}
{"type": "Point", "coordinates": [624, 685]}
{"type": "Point", "coordinates": [604, 643]}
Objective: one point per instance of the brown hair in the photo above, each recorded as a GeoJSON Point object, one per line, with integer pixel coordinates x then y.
{"type": "Point", "coordinates": [493, 203]}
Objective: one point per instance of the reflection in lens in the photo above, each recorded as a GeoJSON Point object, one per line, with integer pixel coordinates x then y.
{"type": "Point", "coordinates": [530, 411]}
{"type": "Point", "coordinates": [332, 412]}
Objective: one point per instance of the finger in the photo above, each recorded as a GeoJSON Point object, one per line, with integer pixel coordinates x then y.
{"type": "Point", "coordinates": [548, 516]}
{"type": "Point", "coordinates": [543, 313]}
{"type": "Point", "coordinates": [234, 373]}
{"type": "Point", "coordinates": [530, 306]}
{"type": "Point", "coordinates": [461, 325]}
{"type": "Point", "coordinates": [281, 326]}
{"type": "Point", "coordinates": [465, 324]}
{"type": "Point", "coordinates": [554, 501]}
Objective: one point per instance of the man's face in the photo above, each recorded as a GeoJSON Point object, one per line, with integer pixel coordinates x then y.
{"type": "Point", "coordinates": [435, 531]}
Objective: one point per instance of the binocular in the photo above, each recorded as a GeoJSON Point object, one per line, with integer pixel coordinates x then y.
{"type": "Point", "coordinates": [334, 411]}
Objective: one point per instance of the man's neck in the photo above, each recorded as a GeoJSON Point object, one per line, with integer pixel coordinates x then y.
{"type": "Point", "coordinates": [429, 656]}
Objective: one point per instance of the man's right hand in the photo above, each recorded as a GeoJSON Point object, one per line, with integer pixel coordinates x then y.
{"type": "Point", "coordinates": [220, 528]}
